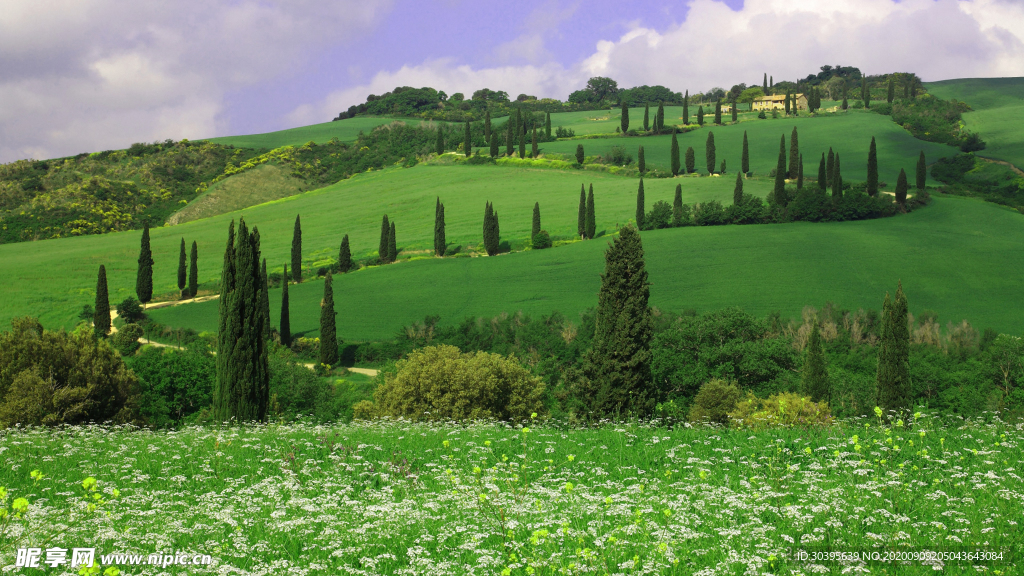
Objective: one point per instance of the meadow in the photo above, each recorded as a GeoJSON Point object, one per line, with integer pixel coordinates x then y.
{"type": "Point", "coordinates": [530, 499]}
{"type": "Point", "coordinates": [998, 105]}
{"type": "Point", "coordinates": [344, 130]}
{"type": "Point", "coordinates": [960, 258]}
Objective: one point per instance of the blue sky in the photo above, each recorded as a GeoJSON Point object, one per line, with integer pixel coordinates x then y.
{"type": "Point", "coordinates": [87, 75]}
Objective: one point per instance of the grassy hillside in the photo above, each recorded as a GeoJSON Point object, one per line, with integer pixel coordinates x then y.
{"type": "Point", "coordinates": [998, 113]}
{"type": "Point", "coordinates": [52, 279]}
{"type": "Point", "coordinates": [848, 134]}
{"type": "Point", "coordinates": [344, 130]}
{"type": "Point", "coordinates": [960, 258]}
{"type": "Point", "coordinates": [264, 183]}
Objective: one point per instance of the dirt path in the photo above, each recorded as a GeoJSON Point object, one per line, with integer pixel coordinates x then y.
{"type": "Point", "coordinates": [371, 372]}
{"type": "Point", "coordinates": [1016, 170]}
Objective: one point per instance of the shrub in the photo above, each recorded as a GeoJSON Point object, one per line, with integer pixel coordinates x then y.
{"type": "Point", "coordinates": [659, 217]}
{"type": "Point", "coordinates": [617, 156]}
{"type": "Point", "coordinates": [709, 213]}
{"type": "Point", "coordinates": [308, 348]}
{"type": "Point", "coordinates": [714, 401]}
{"type": "Point", "coordinates": [782, 409]}
{"type": "Point", "coordinates": [564, 132]}
{"type": "Point", "coordinates": [130, 310]}
{"type": "Point", "coordinates": [762, 115]}
{"type": "Point", "coordinates": [126, 340]}
{"type": "Point", "coordinates": [175, 385]}
{"type": "Point", "coordinates": [542, 240]}
{"type": "Point", "coordinates": [443, 383]}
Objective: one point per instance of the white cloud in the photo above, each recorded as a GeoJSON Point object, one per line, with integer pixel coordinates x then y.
{"type": "Point", "coordinates": [82, 75]}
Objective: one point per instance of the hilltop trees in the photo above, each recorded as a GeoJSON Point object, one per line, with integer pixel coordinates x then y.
{"type": "Point", "coordinates": [871, 186]}
{"type": "Point", "coordinates": [297, 251]}
{"type": "Point", "coordinates": [794, 155]}
{"type": "Point", "coordinates": [675, 154]}
{"type": "Point", "coordinates": [144, 275]}
{"type": "Point", "coordinates": [617, 369]}
{"type": "Point", "coordinates": [182, 270]}
{"type": "Point", "coordinates": [893, 376]}
{"type": "Point", "coordinates": [344, 257]}
{"type": "Point", "coordinates": [691, 161]}
{"type": "Point", "coordinates": [491, 231]}
{"type": "Point", "coordinates": [286, 324]}
{"type": "Point", "coordinates": [624, 120]}
{"type": "Point", "coordinates": [591, 225]}
{"type": "Point", "coordinates": [242, 391]}
{"type": "Point", "coordinates": [745, 160]}
{"type": "Point", "coordinates": [709, 152]}
{"type": "Point", "coordinates": [328, 330]}
{"type": "Point", "coordinates": [193, 270]}
{"type": "Point", "coordinates": [814, 377]}
{"type": "Point", "coordinates": [101, 312]}
{"type": "Point", "coordinates": [640, 205]}
{"type": "Point", "coordinates": [581, 221]}
{"type": "Point", "coordinates": [922, 172]}
{"type": "Point", "coordinates": [901, 188]}
{"type": "Point", "coordinates": [385, 234]}
{"type": "Point", "coordinates": [440, 242]}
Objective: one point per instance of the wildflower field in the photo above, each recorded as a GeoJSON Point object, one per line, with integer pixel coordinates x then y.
{"type": "Point", "coordinates": [402, 498]}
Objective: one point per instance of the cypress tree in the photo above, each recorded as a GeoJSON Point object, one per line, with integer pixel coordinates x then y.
{"type": "Point", "coordinates": [659, 118]}
{"type": "Point", "coordinates": [641, 162]}
{"type": "Point", "coordinates": [735, 112]}
{"type": "Point", "coordinates": [534, 150]}
{"type": "Point", "coordinates": [822, 174]}
{"type": "Point", "coordinates": [344, 256]}
{"type": "Point", "coordinates": [101, 312]}
{"type": "Point", "coordinates": [686, 108]}
{"type": "Point", "coordinates": [297, 251]}
{"type": "Point", "coordinates": [901, 188]}
{"type": "Point", "coordinates": [764, 88]}
{"type": "Point", "coordinates": [745, 162]}
{"type": "Point", "coordinates": [547, 125]}
{"type": "Point", "coordinates": [890, 94]}
{"type": "Point", "coordinates": [718, 111]}
{"type": "Point", "coordinates": [700, 116]}
{"type": "Point", "coordinates": [814, 376]}
{"type": "Point", "coordinates": [487, 126]}
{"type": "Point", "coordinates": [675, 154]}
{"type": "Point", "coordinates": [922, 172]}
{"type": "Point", "coordinates": [591, 217]}
{"type": "Point", "coordinates": [438, 147]}
{"type": "Point", "coordinates": [509, 143]}
{"type": "Point", "coordinates": [536, 220]}
{"type": "Point", "coordinates": [328, 329]}
{"type": "Point", "coordinates": [846, 103]}
{"type": "Point", "coordinates": [709, 152]}
{"type": "Point", "coordinates": [490, 230]}
{"type": "Point", "coordinates": [794, 155]}
{"type": "Point", "coordinates": [737, 192]}
{"type": "Point", "coordinates": [385, 233]}
{"type": "Point", "coordinates": [800, 174]}
{"type": "Point", "coordinates": [786, 104]}
{"type": "Point", "coordinates": [392, 244]}
{"type": "Point", "coordinates": [286, 324]}
{"type": "Point", "coordinates": [624, 118]}
{"type": "Point", "coordinates": [865, 93]}
{"type": "Point", "coordinates": [893, 382]}
{"type": "Point", "coordinates": [872, 183]}
{"type": "Point", "coordinates": [830, 166]}
{"type": "Point", "coordinates": [265, 300]}
{"type": "Point", "coordinates": [522, 145]}
{"type": "Point", "coordinates": [647, 116]}
{"type": "Point", "coordinates": [144, 276]}
{"type": "Point", "coordinates": [640, 205]}
{"type": "Point", "coordinates": [467, 144]}
{"type": "Point", "coordinates": [494, 145]}
{"type": "Point", "coordinates": [440, 241]}
{"type": "Point", "coordinates": [193, 271]}
{"type": "Point", "coordinates": [618, 365]}
{"type": "Point", "coordinates": [691, 162]}
{"type": "Point", "coordinates": [677, 207]}
{"type": "Point", "coordinates": [780, 176]}
{"type": "Point", "coordinates": [837, 181]}
{"type": "Point", "coordinates": [579, 155]}
{"type": "Point", "coordinates": [581, 221]}
{"type": "Point", "coordinates": [182, 270]}
{"type": "Point", "coordinates": [227, 283]}
{"type": "Point", "coordinates": [771, 83]}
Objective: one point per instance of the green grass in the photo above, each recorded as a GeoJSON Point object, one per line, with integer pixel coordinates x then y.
{"type": "Point", "coordinates": [848, 134]}
{"type": "Point", "coordinates": [958, 257]}
{"type": "Point", "coordinates": [344, 130]}
{"type": "Point", "coordinates": [998, 114]}
{"type": "Point", "coordinates": [264, 183]}
{"type": "Point", "coordinates": [397, 498]}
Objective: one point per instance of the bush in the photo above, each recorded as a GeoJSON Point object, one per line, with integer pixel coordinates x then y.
{"type": "Point", "coordinates": [443, 383]}
{"type": "Point", "coordinates": [762, 115]}
{"type": "Point", "coordinates": [130, 310]}
{"type": "Point", "coordinates": [782, 409]}
{"type": "Point", "coordinates": [617, 156]}
{"type": "Point", "coordinates": [709, 213]}
{"type": "Point", "coordinates": [564, 132]}
{"type": "Point", "coordinates": [175, 385]}
{"type": "Point", "coordinates": [542, 240]}
{"type": "Point", "coordinates": [714, 401]}
{"type": "Point", "coordinates": [972, 143]}
{"type": "Point", "coordinates": [126, 340]}
{"type": "Point", "coordinates": [659, 217]}
{"type": "Point", "coordinates": [308, 348]}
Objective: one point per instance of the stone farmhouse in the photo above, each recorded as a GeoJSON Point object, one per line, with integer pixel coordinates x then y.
{"type": "Point", "coordinates": [778, 102]}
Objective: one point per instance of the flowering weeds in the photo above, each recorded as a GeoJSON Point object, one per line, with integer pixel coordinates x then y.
{"type": "Point", "coordinates": [402, 498]}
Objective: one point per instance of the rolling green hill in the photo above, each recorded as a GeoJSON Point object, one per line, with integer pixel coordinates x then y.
{"type": "Point", "coordinates": [998, 113]}
{"type": "Point", "coordinates": [344, 130]}
{"type": "Point", "coordinates": [961, 258]}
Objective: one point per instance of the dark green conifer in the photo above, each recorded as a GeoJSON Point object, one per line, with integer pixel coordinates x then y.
{"type": "Point", "coordinates": [487, 126]}
{"type": "Point", "coordinates": [718, 111]}
{"type": "Point", "coordinates": [893, 382]}
{"type": "Point", "coordinates": [640, 205]}
{"type": "Point", "coordinates": [344, 256]}
{"type": "Point", "coordinates": [286, 323]}
{"type": "Point", "coordinates": [922, 172]}
{"type": "Point", "coordinates": [865, 94]}
{"type": "Point", "coordinates": [641, 162]}
{"type": "Point", "coordinates": [745, 160]}
{"type": "Point", "coordinates": [490, 243]}
{"type": "Point", "coordinates": [735, 110]}
{"type": "Point", "coordinates": [522, 145]}
{"type": "Point", "coordinates": [659, 118]}
{"type": "Point", "coordinates": [794, 155]}
{"type": "Point", "coordinates": [647, 116]}
{"type": "Point", "coordinates": [265, 299]}
{"type": "Point", "coordinates": [547, 125]}
{"type": "Point", "coordinates": [617, 368]}
{"type": "Point", "coordinates": [579, 155]}
{"type": "Point", "coordinates": [193, 270]}
{"type": "Point", "coordinates": [385, 233]}
{"type": "Point", "coordinates": [765, 87]}
{"type": "Point", "coordinates": [780, 176]}
{"type": "Point", "coordinates": [581, 222]}
{"type": "Point", "coordinates": [846, 103]}
{"type": "Point", "coordinates": [328, 329]}
{"type": "Point", "coordinates": [700, 116]}
{"type": "Point", "coordinates": [814, 376]}
{"type": "Point", "coordinates": [227, 282]}
{"type": "Point", "coordinates": [786, 104]}
{"type": "Point", "coordinates": [624, 117]}
{"type": "Point", "coordinates": [438, 146]}
{"type": "Point", "coordinates": [144, 276]}
{"type": "Point", "coordinates": [440, 241]}
{"type": "Point", "coordinates": [101, 311]}
{"type": "Point", "coordinates": [677, 207]}
{"type": "Point", "coordinates": [830, 166]}
{"type": "Point", "coordinates": [737, 192]}
{"type": "Point", "coordinates": [509, 142]}
{"type": "Point", "coordinates": [686, 108]}
{"type": "Point", "coordinates": [534, 150]}
{"type": "Point", "coordinates": [800, 174]}
{"type": "Point", "coordinates": [822, 174]}
{"type": "Point", "coordinates": [891, 92]}
{"type": "Point", "coordinates": [901, 188]}
{"type": "Point", "coordinates": [467, 143]}
{"type": "Point", "coordinates": [691, 161]}
{"type": "Point", "coordinates": [591, 217]}
{"type": "Point", "coordinates": [675, 154]}
{"type": "Point", "coordinates": [494, 145]}
{"type": "Point", "coordinates": [297, 251]}
{"type": "Point", "coordinates": [182, 270]}
{"type": "Point", "coordinates": [837, 180]}
{"type": "Point", "coordinates": [535, 229]}
{"type": "Point", "coordinates": [871, 185]}
{"type": "Point", "coordinates": [392, 244]}
{"type": "Point", "coordinates": [709, 152]}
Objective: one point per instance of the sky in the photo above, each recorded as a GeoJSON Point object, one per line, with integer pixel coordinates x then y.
{"type": "Point", "coordinates": [88, 75]}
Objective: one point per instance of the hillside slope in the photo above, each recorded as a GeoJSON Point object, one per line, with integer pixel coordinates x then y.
{"type": "Point", "coordinates": [344, 130]}
{"type": "Point", "coordinates": [998, 114]}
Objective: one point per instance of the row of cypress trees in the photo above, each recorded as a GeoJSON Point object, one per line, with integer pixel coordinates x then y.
{"type": "Point", "coordinates": [193, 271]}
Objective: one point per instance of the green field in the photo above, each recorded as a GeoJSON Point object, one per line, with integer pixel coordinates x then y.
{"type": "Point", "coordinates": [998, 113]}
{"type": "Point", "coordinates": [400, 498]}
{"type": "Point", "coordinates": [344, 130]}
{"type": "Point", "coordinates": [961, 258]}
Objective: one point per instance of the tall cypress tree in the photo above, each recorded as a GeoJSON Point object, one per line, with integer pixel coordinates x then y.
{"type": "Point", "coordinates": [718, 111]}
{"type": "Point", "coordinates": [522, 145]}
{"type": "Point", "coordinates": [438, 144]}
{"type": "Point", "coordinates": [640, 205]}
{"type": "Point", "coordinates": [227, 284]}
{"type": "Point", "coordinates": [890, 94]}
{"type": "Point", "coordinates": [581, 222]}
{"type": "Point", "coordinates": [865, 93]}
{"type": "Point", "coordinates": [265, 299]}
{"type": "Point", "coordinates": [101, 312]}
{"type": "Point", "coordinates": [624, 117]}
{"type": "Point", "coordinates": [686, 108]}
{"type": "Point", "coordinates": [700, 116]}
{"type": "Point", "coordinates": [871, 186]}
{"type": "Point", "coordinates": [735, 110]}
{"type": "Point", "coordinates": [674, 155]}
{"type": "Point", "coordinates": [286, 323]}
{"type": "Point", "coordinates": [737, 192]}
{"type": "Point", "coordinates": [837, 180]}
{"type": "Point", "coordinates": [691, 161]}
{"type": "Point", "coordinates": [846, 102]}
{"type": "Point", "coordinates": [780, 176]}
{"type": "Point", "coordinates": [385, 233]}
{"type": "Point", "coordinates": [467, 144]}
{"type": "Point", "coordinates": [579, 155]}
{"type": "Point", "coordinates": [659, 118]}
{"type": "Point", "coordinates": [677, 207]}
{"type": "Point", "coordinates": [641, 162]}
{"type": "Point", "coordinates": [547, 125]}
{"type": "Point", "coordinates": [618, 366]}
{"type": "Point", "coordinates": [535, 229]}
{"type": "Point", "coordinates": [487, 126]}
{"type": "Point", "coordinates": [830, 165]}
{"type": "Point", "coordinates": [647, 116]}
{"type": "Point", "coordinates": [794, 155]}
{"type": "Point", "coordinates": [494, 145]}
{"type": "Point", "coordinates": [745, 161]}
{"type": "Point", "coordinates": [709, 152]}
{"type": "Point", "coordinates": [534, 150]}
{"type": "Point", "coordinates": [182, 270]}
{"type": "Point", "coordinates": [786, 104]}
{"type": "Point", "coordinates": [591, 216]}
{"type": "Point", "coordinates": [822, 174]}
{"type": "Point", "coordinates": [893, 382]}
{"type": "Point", "coordinates": [922, 172]}
{"type": "Point", "coordinates": [297, 251]}
{"type": "Point", "coordinates": [440, 241]}
{"type": "Point", "coordinates": [814, 377]}
{"type": "Point", "coordinates": [344, 256]}
{"type": "Point", "coordinates": [509, 128]}
{"type": "Point", "coordinates": [144, 275]}
{"type": "Point", "coordinates": [489, 245]}
{"type": "Point", "coordinates": [764, 88]}
{"type": "Point", "coordinates": [800, 174]}
{"type": "Point", "coordinates": [328, 328]}
{"type": "Point", "coordinates": [193, 270]}
{"type": "Point", "coordinates": [901, 188]}
{"type": "Point", "coordinates": [392, 244]}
